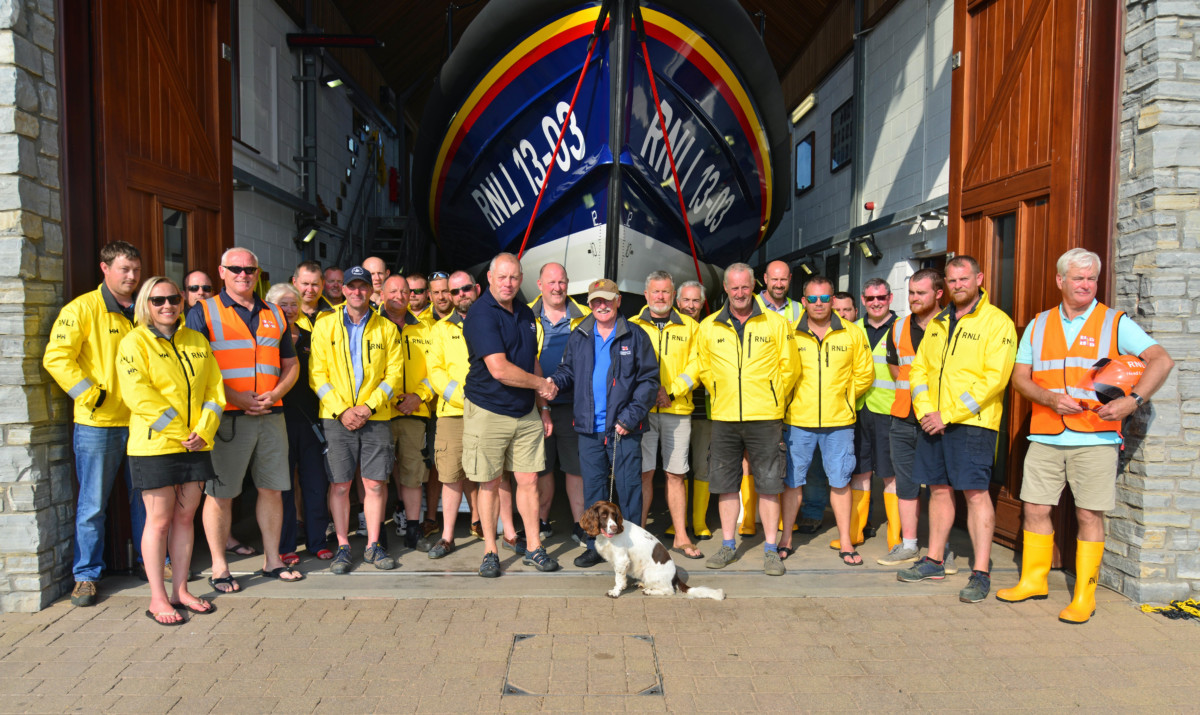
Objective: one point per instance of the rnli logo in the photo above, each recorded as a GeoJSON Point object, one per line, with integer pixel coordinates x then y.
{"type": "Point", "coordinates": [760, 338]}
{"type": "Point", "coordinates": [1087, 341]}
{"type": "Point", "coordinates": [268, 323]}
{"type": "Point", "coordinates": [625, 351]}
{"type": "Point", "coordinates": [677, 338]}
{"type": "Point", "coordinates": [198, 355]}
{"type": "Point", "coordinates": [838, 348]}
{"type": "Point", "coordinates": [968, 335]}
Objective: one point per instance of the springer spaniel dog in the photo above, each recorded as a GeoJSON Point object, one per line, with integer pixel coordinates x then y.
{"type": "Point", "coordinates": [635, 552]}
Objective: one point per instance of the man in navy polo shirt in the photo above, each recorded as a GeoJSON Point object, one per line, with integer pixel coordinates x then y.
{"type": "Point", "coordinates": [502, 430]}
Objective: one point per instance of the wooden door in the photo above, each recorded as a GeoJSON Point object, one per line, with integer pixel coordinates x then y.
{"type": "Point", "coordinates": [1033, 145]}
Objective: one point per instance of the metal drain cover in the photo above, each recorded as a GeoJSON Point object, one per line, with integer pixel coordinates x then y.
{"type": "Point", "coordinates": [571, 664]}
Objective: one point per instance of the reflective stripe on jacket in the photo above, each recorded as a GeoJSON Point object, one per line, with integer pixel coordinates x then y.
{"type": "Point", "coordinates": [901, 338]}
{"type": "Point", "coordinates": [447, 364]}
{"type": "Point", "coordinates": [962, 374]}
{"type": "Point", "coordinates": [81, 356]}
{"type": "Point", "coordinates": [675, 349]}
{"type": "Point", "coordinates": [249, 363]}
{"type": "Point", "coordinates": [331, 372]}
{"type": "Point", "coordinates": [172, 387]}
{"type": "Point", "coordinates": [882, 392]}
{"type": "Point", "coordinates": [751, 378]}
{"type": "Point", "coordinates": [1062, 369]}
{"type": "Point", "coordinates": [834, 372]}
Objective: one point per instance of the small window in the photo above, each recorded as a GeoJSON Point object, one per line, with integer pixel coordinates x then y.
{"type": "Point", "coordinates": [175, 243]}
{"type": "Point", "coordinates": [841, 137]}
{"type": "Point", "coordinates": [804, 163]}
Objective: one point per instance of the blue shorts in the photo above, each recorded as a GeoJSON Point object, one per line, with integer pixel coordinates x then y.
{"type": "Point", "coordinates": [960, 457]}
{"type": "Point", "coordinates": [837, 454]}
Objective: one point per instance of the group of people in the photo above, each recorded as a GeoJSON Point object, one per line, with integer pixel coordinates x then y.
{"type": "Point", "coordinates": [354, 377]}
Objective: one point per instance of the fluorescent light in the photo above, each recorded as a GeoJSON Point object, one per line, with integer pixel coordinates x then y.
{"type": "Point", "coordinates": [312, 232]}
{"type": "Point", "coordinates": [331, 80]}
{"type": "Point", "coordinates": [804, 108]}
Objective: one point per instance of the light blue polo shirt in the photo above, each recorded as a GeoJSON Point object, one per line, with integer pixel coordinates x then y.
{"type": "Point", "coordinates": [1131, 340]}
{"type": "Point", "coordinates": [354, 335]}
{"type": "Point", "coordinates": [603, 361]}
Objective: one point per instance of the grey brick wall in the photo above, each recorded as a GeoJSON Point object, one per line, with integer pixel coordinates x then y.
{"type": "Point", "coordinates": [1154, 533]}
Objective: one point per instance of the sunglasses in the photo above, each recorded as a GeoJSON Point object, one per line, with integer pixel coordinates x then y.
{"type": "Point", "coordinates": [197, 289]}
{"type": "Point", "coordinates": [417, 291]}
{"type": "Point", "coordinates": [876, 298]}
{"type": "Point", "coordinates": [158, 300]}
{"type": "Point", "coordinates": [815, 298]}
{"type": "Point", "coordinates": [464, 289]}
{"type": "Point", "coordinates": [239, 270]}
{"type": "Point", "coordinates": [439, 276]}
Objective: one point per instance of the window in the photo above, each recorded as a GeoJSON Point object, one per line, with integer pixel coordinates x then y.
{"type": "Point", "coordinates": [235, 70]}
{"type": "Point", "coordinates": [175, 243]}
{"type": "Point", "coordinates": [804, 163]}
{"type": "Point", "coordinates": [841, 136]}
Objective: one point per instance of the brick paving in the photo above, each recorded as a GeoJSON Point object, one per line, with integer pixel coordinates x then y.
{"type": "Point", "coordinates": [345, 653]}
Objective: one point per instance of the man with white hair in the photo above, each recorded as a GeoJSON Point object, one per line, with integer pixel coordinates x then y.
{"type": "Point", "coordinates": [1075, 435]}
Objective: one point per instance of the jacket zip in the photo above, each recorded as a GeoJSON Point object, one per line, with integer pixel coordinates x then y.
{"type": "Point", "coordinates": [171, 342]}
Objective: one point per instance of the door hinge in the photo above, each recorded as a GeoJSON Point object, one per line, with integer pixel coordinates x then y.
{"type": "Point", "coordinates": [956, 60]}
{"type": "Point", "coordinates": [226, 51]}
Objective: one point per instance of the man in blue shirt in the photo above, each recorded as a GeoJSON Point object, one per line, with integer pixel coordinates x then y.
{"type": "Point", "coordinates": [614, 372]}
{"type": "Point", "coordinates": [501, 427]}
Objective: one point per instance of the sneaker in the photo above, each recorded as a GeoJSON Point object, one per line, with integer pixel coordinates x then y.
{"type": "Point", "coordinates": [477, 529]}
{"type": "Point", "coordinates": [545, 531]}
{"type": "Point", "coordinates": [84, 593]}
{"type": "Point", "coordinates": [400, 520]}
{"type": "Point", "coordinates": [517, 545]}
{"type": "Point", "coordinates": [362, 524]}
{"type": "Point", "coordinates": [922, 570]}
{"type": "Point", "coordinates": [724, 557]}
{"type": "Point", "coordinates": [578, 535]}
{"type": "Point", "coordinates": [412, 534]}
{"type": "Point", "coordinates": [977, 588]}
{"type": "Point", "coordinates": [539, 559]}
{"type": "Point", "coordinates": [588, 559]}
{"type": "Point", "coordinates": [772, 564]}
{"type": "Point", "coordinates": [376, 554]}
{"type": "Point", "coordinates": [950, 566]}
{"type": "Point", "coordinates": [440, 549]}
{"type": "Point", "coordinates": [341, 561]}
{"type": "Point", "coordinates": [901, 554]}
{"type": "Point", "coordinates": [490, 568]}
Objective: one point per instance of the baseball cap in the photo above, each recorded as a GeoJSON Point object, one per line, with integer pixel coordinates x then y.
{"type": "Point", "coordinates": [357, 273]}
{"type": "Point", "coordinates": [602, 288]}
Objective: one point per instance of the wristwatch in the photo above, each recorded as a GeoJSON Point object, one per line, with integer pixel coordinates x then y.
{"type": "Point", "coordinates": [1138, 398]}
{"type": "Point", "coordinates": [546, 408]}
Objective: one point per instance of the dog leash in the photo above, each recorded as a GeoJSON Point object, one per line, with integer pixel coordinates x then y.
{"type": "Point", "coordinates": [612, 473]}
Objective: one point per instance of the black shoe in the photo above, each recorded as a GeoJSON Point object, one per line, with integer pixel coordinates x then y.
{"type": "Point", "coordinates": [490, 568]}
{"type": "Point", "coordinates": [545, 531]}
{"type": "Point", "coordinates": [870, 530]}
{"type": "Point", "coordinates": [588, 559]}
{"type": "Point", "coordinates": [412, 534]}
{"type": "Point", "coordinates": [808, 526]}
{"type": "Point", "coordinates": [578, 535]}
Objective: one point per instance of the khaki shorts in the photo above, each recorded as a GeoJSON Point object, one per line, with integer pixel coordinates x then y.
{"type": "Point", "coordinates": [447, 450]}
{"type": "Point", "coordinates": [247, 442]}
{"type": "Point", "coordinates": [1091, 471]}
{"type": "Point", "coordinates": [701, 438]}
{"type": "Point", "coordinates": [674, 433]}
{"type": "Point", "coordinates": [408, 436]}
{"type": "Point", "coordinates": [494, 443]}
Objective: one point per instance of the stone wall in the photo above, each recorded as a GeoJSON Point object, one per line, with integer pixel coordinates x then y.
{"type": "Point", "coordinates": [1154, 534]}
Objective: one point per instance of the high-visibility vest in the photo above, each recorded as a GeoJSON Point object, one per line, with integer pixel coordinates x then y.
{"type": "Point", "coordinates": [248, 362]}
{"type": "Point", "coordinates": [792, 310]}
{"type": "Point", "coordinates": [901, 338]}
{"type": "Point", "coordinates": [1061, 370]}
{"type": "Point", "coordinates": [882, 394]}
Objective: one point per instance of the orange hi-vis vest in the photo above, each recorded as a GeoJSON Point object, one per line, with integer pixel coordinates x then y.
{"type": "Point", "coordinates": [248, 362]}
{"type": "Point", "coordinates": [1060, 369]}
{"type": "Point", "coordinates": [902, 340]}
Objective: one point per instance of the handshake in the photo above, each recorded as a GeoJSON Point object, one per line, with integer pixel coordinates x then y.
{"type": "Point", "coordinates": [547, 390]}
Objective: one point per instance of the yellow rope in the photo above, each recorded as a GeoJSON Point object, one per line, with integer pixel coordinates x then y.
{"type": "Point", "coordinates": [1177, 609]}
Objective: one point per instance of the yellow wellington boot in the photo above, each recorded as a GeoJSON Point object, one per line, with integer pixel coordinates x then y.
{"type": "Point", "coordinates": [749, 506]}
{"type": "Point", "coordinates": [1088, 555]}
{"type": "Point", "coordinates": [700, 509]}
{"type": "Point", "coordinates": [671, 529]}
{"type": "Point", "coordinates": [891, 505]}
{"type": "Point", "coordinates": [1035, 567]}
{"type": "Point", "coordinates": [860, 504]}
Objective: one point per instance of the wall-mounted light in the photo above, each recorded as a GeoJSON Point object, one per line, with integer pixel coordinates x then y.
{"type": "Point", "coordinates": [307, 229]}
{"type": "Point", "coordinates": [331, 80]}
{"type": "Point", "coordinates": [808, 267]}
{"type": "Point", "coordinates": [870, 249]}
{"type": "Point", "coordinates": [804, 107]}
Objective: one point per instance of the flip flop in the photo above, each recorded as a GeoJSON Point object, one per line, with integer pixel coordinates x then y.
{"type": "Point", "coordinates": [212, 607]}
{"type": "Point", "coordinates": [850, 554]}
{"type": "Point", "coordinates": [226, 580]}
{"type": "Point", "coordinates": [276, 574]}
{"type": "Point", "coordinates": [785, 552]}
{"type": "Point", "coordinates": [242, 550]}
{"type": "Point", "coordinates": [154, 617]}
{"type": "Point", "coordinates": [682, 551]}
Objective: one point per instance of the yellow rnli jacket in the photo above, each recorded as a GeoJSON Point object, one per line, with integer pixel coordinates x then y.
{"type": "Point", "coordinates": [331, 373]}
{"type": "Point", "coordinates": [834, 372]}
{"type": "Point", "coordinates": [576, 310]}
{"type": "Point", "coordinates": [962, 368]}
{"type": "Point", "coordinates": [750, 378]}
{"type": "Point", "coordinates": [675, 349]}
{"type": "Point", "coordinates": [447, 364]}
{"type": "Point", "coordinates": [172, 387]}
{"type": "Point", "coordinates": [81, 356]}
{"type": "Point", "coordinates": [414, 349]}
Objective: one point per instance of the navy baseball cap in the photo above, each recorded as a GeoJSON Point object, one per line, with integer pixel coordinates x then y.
{"type": "Point", "coordinates": [356, 273]}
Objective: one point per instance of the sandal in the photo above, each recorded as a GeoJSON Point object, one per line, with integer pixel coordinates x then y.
{"type": "Point", "coordinates": [194, 607]}
{"type": "Point", "coordinates": [847, 555]}
{"type": "Point", "coordinates": [278, 574]}
{"type": "Point", "coordinates": [683, 551]}
{"type": "Point", "coordinates": [785, 552]}
{"type": "Point", "coordinates": [226, 580]}
{"type": "Point", "coordinates": [242, 550]}
{"type": "Point", "coordinates": [155, 616]}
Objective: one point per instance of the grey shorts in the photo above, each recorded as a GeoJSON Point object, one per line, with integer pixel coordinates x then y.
{"type": "Point", "coordinates": [254, 443]}
{"type": "Point", "coordinates": [368, 449]}
{"type": "Point", "coordinates": [674, 434]}
{"type": "Point", "coordinates": [762, 441]}
{"type": "Point", "coordinates": [701, 439]}
{"type": "Point", "coordinates": [902, 436]}
{"type": "Point", "coordinates": [562, 446]}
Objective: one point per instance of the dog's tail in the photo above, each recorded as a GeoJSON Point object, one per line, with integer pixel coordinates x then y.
{"type": "Point", "coordinates": [715, 594]}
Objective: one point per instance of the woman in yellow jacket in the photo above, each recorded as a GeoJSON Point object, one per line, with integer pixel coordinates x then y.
{"type": "Point", "coordinates": [172, 385]}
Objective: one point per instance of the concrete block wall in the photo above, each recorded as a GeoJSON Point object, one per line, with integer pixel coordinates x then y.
{"type": "Point", "coordinates": [1153, 546]}
{"type": "Point", "coordinates": [37, 499]}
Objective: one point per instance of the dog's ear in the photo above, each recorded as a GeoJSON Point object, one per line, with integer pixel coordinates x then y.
{"type": "Point", "coordinates": [618, 517]}
{"type": "Point", "coordinates": [588, 522]}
